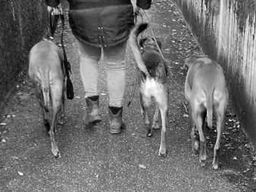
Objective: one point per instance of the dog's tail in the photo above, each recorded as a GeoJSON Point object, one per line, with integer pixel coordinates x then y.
{"type": "Point", "coordinates": [209, 106]}
{"type": "Point", "coordinates": [137, 29]}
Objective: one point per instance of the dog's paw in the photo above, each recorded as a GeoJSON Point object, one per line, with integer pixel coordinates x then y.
{"type": "Point", "coordinates": [155, 125]}
{"type": "Point", "coordinates": [195, 147]}
{"type": "Point", "coordinates": [202, 159]}
{"type": "Point", "coordinates": [56, 152]}
{"type": "Point", "coordinates": [162, 152]}
{"type": "Point", "coordinates": [149, 134]}
{"type": "Point", "coordinates": [202, 163]}
{"type": "Point", "coordinates": [61, 122]}
{"type": "Point", "coordinates": [162, 155]}
{"type": "Point", "coordinates": [215, 166]}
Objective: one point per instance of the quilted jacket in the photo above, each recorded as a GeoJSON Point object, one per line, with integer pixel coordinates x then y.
{"type": "Point", "coordinates": [101, 22]}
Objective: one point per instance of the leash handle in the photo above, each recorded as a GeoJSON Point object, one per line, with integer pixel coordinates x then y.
{"type": "Point", "coordinates": [54, 18]}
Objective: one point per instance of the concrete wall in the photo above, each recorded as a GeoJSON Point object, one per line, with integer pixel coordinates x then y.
{"type": "Point", "coordinates": [22, 23]}
{"type": "Point", "coordinates": [226, 29]}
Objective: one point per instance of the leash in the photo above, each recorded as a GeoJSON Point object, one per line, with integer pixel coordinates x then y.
{"type": "Point", "coordinates": [66, 65]}
{"type": "Point", "coordinates": [154, 36]}
{"type": "Point", "coordinates": [137, 14]}
{"type": "Point", "coordinates": [159, 49]}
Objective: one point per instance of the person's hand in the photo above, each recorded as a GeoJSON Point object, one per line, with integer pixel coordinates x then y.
{"type": "Point", "coordinates": [137, 11]}
{"type": "Point", "coordinates": [139, 15]}
{"type": "Point", "coordinates": [55, 10]}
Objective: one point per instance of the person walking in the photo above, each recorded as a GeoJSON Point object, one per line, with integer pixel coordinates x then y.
{"type": "Point", "coordinates": [102, 28]}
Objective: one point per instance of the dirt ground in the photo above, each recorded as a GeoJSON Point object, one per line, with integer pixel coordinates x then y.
{"type": "Point", "coordinates": [94, 160]}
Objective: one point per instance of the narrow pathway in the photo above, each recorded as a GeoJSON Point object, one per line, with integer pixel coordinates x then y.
{"type": "Point", "coordinates": [94, 160]}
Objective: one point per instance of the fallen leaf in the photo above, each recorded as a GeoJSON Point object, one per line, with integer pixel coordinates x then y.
{"type": "Point", "coordinates": [186, 115]}
{"type": "Point", "coordinates": [142, 166]}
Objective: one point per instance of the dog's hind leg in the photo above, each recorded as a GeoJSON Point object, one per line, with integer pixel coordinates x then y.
{"type": "Point", "coordinates": [45, 112]}
{"type": "Point", "coordinates": [145, 103]}
{"type": "Point", "coordinates": [56, 93]}
{"type": "Point", "coordinates": [155, 123]}
{"type": "Point", "coordinates": [54, 147]}
{"type": "Point", "coordinates": [220, 110]}
{"type": "Point", "coordinates": [163, 106]}
{"type": "Point", "coordinates": [163, 112]}
{"type": "Point", "coordinates": [194, 139]}
{"type": "Point", "coordinates": [197, 117]}
{"type": "Point", "coordinates": [61, 119]}
{"type": "Point", "coordinates": [194, 133]}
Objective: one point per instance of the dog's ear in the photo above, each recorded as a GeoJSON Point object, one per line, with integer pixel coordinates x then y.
{"type": "Point", "coordinates": [142, 41]}
{"type": "Point", "coordinates": [188, 61]}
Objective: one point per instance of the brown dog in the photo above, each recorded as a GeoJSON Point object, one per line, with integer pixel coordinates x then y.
{"type": "Point", "coordinates": [47, 73]}
{"type": "Point", "coordinates": [152, 85]}
{"type": "Point", "coordinates": [205, 90]}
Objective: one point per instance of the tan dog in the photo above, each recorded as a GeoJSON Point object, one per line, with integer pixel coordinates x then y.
{"type": "Point", "coordinates": [152, 85]}
{"type": "Point", "coordinates": [47, 73]}
{"type": "Point", "coordinates": [205, 90]}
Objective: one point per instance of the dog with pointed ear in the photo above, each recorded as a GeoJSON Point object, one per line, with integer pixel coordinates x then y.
{"type": "Point", "coordinates": [150, 42]}
{"type": "Point", "coordinates": [153, 85]}
{"type": "Point", "coordinates": [206, 92]}
{"type": "Point", "coordinates": [47, 74]}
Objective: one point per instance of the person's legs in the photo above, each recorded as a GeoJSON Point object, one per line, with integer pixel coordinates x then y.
{"type": "Point", "coordinates": [89, 58]}
{"type": "Point", "coordinates": [114, 59]}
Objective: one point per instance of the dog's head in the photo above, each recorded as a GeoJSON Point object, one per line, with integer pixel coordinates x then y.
{"type": "Point", "coordinates": [188, 62]}
{"type": "Point", "coordinates": [150, 43]}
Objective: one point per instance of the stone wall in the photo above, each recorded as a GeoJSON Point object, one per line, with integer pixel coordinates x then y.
{"type": "Point", "coordinates": [22, 23]}
{"type": "Point", "coordinates": [226, 30]}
